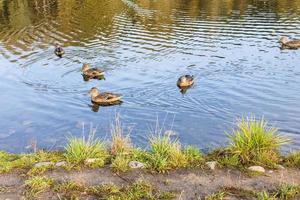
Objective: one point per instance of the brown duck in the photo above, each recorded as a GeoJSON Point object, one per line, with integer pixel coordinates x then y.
{"type": "Point", "coordinates": [292, 44]}
{"type": "Point", "coordinates": [185, 81]}
{"type": "Point", "coordinates": [59, 51]}
{"type": "Point", "coordinates": [104, 98]}
{"type": "Point", "coordinates": [91, 73]}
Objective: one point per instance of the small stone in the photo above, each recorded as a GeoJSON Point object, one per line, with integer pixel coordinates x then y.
{"type": "Point", "coordinates": [211, 164]}
{"type": "Point", "coordinates": [257, 169]}
{"type": "Point", "coordinates": [136, 165]}
{"type": "Point", "coordinates": [60, 163]}
{"type": "Point", "coordinates": [91, 160]}
{"type": "Point", "coordinates": [280, 167]}
{"type": "Point", "coordinates": [42, 164]}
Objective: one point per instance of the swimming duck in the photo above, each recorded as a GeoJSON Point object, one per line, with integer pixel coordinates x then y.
{"type": "Point", "coordinates": [104, 98]}
{"type": "Point", "coordinates": [293, 44]}
{"type": "Point", "coordinates": [185, 81]}
{"type": "Point", "coordinates": [88, 72]}
{"type": "Point", "coordinates": [59, 50]}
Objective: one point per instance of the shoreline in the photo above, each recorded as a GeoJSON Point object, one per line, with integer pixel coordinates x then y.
{"type": "Point", "coordinates": [250, 166]}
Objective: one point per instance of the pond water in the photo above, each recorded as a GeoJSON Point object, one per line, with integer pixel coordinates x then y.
{"type": "Point", "coordinates": [231, 47]}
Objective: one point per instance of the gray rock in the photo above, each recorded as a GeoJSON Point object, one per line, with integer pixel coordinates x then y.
{"type": "Point", "coordinates": [60, 163]}
{"type": "Point", "coordinates": [211, 164]}
{"type": "Point", "coordinates": [43, 164]}
{"type": "Point", "coordinates": [257, 169]}
{"type": "Point", "coordinates": [136, 165]}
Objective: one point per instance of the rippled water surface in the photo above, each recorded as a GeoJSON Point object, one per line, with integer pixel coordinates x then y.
{"type": "Point", "coordinates": [144, 46]}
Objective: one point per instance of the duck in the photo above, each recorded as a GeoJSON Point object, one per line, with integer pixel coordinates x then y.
{"type": "Point", "coordinates": [104, 98]}
{"type": "Point", "coordinates": [185, 81]}
{"type": "Point", "coordinates": [292, 44]}
{"type": "Point", "coordinates": [91, 73]}
{"type": "Point", "coordinates": [59, 50]}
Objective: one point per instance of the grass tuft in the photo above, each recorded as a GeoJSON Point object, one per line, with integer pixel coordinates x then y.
{"type": "Point", "coordinates": [120, 143]}
{"type": "Point", "coordinates": [253, 142]}
{"type": "Point", "coordinates": [69, 190]}
{"type": "Point", "coordinates": [80, 149]}
{"type": "Point", "coordinates": [120, 163]}
{"type": "Point", "coordinates": [140, 190]}
{"type": "Point", "coordinates": [292, 160]}
{"type": "Point", "coordinates": [104, 190]}
{"type": "Point", "coordinates": [36, 185]}
{"type": "Point", "coordinates": [194, 156]}
{"type": "Point", "coordinates": [265, 196]}
{"type": "Point", "coordinates": [219, 195]}
{"type": "Point", "coordinates": [166, 154]}
{"type": "Point", "coordinates": [287, 191]}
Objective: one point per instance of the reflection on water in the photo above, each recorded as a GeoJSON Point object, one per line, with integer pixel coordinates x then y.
{"type": "Point", "coordinates": [144, 46]}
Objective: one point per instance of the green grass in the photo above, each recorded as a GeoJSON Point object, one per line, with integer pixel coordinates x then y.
{"type": "Point", "coordinates": [26, 161]}
{"type": "Point", "coordinates": [36, 185]}
{"type": "Point", "coordinates": [254, 143]}
{"type": "Point", "coordinates": [166, 154]}
{"type": "Point", "coordinates": [104, 190]}
{"type": "Point", "coordinates": [80, 149]}
{"type": "Point", "coordinates": [194, 157]}
{"type": "Point", "coordinates": [140, 190]}
{"type": "Point", "coordinates": [292, 160]}
{"type": "Point", "coordinates": [224, 157]}
{"type": "Point", "coordinates": [265, 196]}
{"type": "Point", "coordinates": [287, 191]}
{"type": "Point", "coordinates": [219, 195]}
{"type": "Point", "coordinates": [135, 191]}
{"type": "Point", "coordinates": [282, 192]}
{"type": "Point", "coordinates": [120, 163]}
{"type": "Point", "coordinates": [120, 143]}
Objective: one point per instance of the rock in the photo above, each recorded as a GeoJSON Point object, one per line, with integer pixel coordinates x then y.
{"type": "Point", "coordinates": [136, 165]}
{"type": "Point", "coordinates": [60, 163]}
{"type": "Point", "coordinates": [211, 164]}
{"type": "Point", "coordinates": [42, 164]}
{"type": "Point", "coordinates": [257, 169]}
{"type": "Point", "coordinates": [91, 160]}
{"type": "Point", "coordinates": [280, 167]}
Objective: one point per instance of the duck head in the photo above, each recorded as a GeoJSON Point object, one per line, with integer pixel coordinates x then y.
{"type": "Point", "coordinates": [57, 46]}
{"type": "Point", "coordinates": [283, 40]}
{"type": "Point", "coordinates": [93, 92]}
{"type": "Point", "coordinates": [85, 67]}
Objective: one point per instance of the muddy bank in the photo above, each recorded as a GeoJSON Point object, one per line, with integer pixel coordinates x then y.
{"type": "Point", "coordinates": [184, 184]}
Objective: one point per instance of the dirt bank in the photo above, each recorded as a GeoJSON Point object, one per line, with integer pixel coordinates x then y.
{"type": "Point", "coordinates": [185, 184]}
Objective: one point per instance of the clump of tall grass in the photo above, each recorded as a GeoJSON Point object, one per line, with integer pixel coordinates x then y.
{"type": "Point", "coordinates": [265, 196]}
{"type": "Point", "coordinates": [292, 160]}
{"type": "Point", "coordinates": [36, 185]}
{"type": "Point", "coordinates": [120, 163]}
{"type": "Point", "coordinates": [165, 154]}
{"type": "Point", "coordinates": [194, 156]}
{"type": "Point", "coordinates": [253, 142]}
{"type": "Point", "coordinates": [80, 149]}
{"type": "Point", "coordinates": [120, 143]}
{"type": "Point", "coordinates": [287, 191]}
